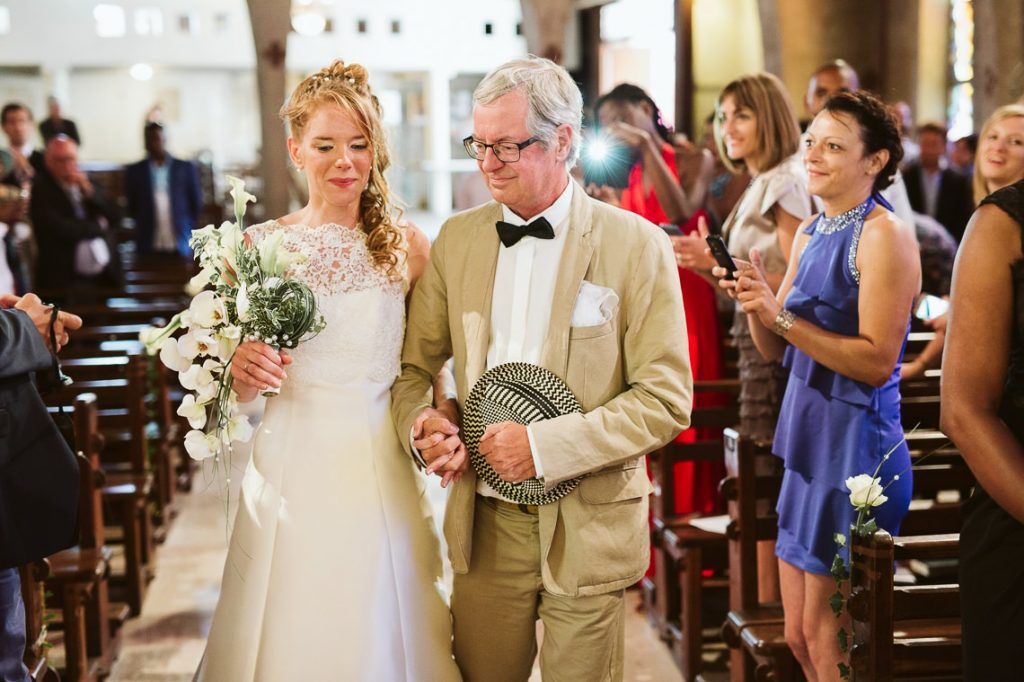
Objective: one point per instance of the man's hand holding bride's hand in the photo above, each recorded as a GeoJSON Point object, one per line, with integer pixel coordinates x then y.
{"type": "Point", "coordinates": [257, 367]}
{"type": "Point", "coordinates": [506, 447]}
{"type": "Point", "coordinates": [436, 437]}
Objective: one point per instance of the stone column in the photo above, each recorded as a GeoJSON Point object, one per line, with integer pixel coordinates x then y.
{"type": "Point", "coordinates": [998, 45]}
{"type": "Point", "coordinates": [271, 22]}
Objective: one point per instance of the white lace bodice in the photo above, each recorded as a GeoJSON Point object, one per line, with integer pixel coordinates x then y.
{"type": "Point", "coordinates": [364, 309]}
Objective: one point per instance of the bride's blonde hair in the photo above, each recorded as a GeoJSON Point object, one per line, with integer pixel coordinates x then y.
{"type": "Point", "coordinates": [347, 85]}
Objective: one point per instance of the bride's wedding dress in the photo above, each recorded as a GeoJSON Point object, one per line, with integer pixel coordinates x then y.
{"type": "Point", "coordinates": [333, 570]}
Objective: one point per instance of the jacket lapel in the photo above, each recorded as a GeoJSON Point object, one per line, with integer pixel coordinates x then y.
{"type": "Point", "coordinates": [477, 290]}
{"type": "Point", "coordinates": [576, 255]}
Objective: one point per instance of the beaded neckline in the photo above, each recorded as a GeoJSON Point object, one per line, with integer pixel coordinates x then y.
{"type": "Point", "coordinates": [838, 223]}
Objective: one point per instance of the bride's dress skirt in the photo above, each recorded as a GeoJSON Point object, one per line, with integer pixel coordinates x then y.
{"type": "Point", "coordinates": [333, 570]}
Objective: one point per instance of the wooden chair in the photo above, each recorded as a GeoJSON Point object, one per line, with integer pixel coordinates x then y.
{"type": "Point", "coordinates": [33, 590]}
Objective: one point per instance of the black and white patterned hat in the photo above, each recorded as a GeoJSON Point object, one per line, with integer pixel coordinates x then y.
{"type": "Point", "coordinates": [522, 393]}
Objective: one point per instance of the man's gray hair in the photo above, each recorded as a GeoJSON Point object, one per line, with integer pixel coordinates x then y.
{"type": "Point", "coordinates": [554, 98]}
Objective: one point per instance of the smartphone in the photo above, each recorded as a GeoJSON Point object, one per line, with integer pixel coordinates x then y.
{"type": "Point", "coordinates": [671, 230]}
{"type": "Point", "coordinates": [929, 307]}
{"type": "Point", "coordinates": [721, 254]}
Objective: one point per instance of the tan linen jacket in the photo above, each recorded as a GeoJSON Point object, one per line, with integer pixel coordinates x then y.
{"type": "Point", "coordinates": [631, 375]}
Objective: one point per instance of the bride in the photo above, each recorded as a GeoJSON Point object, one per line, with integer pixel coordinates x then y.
{"type": "Point", "coordinates": [334, 570]}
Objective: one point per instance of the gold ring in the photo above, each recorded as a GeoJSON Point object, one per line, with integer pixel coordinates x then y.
{"type": "Point", "coordinates": [246, 368]}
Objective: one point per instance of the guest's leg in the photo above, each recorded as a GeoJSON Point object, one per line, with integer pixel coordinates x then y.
{"type": "Point", "coordinates": [584, 637]}
{"type": "Point", "coordinates": [821, 627]}
{"type": "Point", "coordinates": [791, 584]}
{"type": "Point", "coordinates": [494, 606]}
{"type": "Point", "coordinates": [12, 622]}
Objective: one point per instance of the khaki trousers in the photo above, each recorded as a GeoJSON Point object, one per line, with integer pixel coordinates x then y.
{"type": "Point", "coordinates": [495, 607]}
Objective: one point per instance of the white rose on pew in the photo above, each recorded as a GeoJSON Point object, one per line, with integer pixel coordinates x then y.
{"type": "Point", "coordinates": [239, 428]}
{"type": "Point", "coordinates": [200, 446]}
{"type": "Point", "coordinates": [865, 491]}
{"type": "Point", "coordinates": [207, 309]}
{"type": "Point", "coordinates": [195, 377]}
{"type": "Point", "coordinates": [171, 357]}
{"type": "Point", "coordinates": [192, 411]}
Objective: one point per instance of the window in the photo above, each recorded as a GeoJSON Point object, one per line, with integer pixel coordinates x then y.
{"type": "Point", "coordinates": [5, 20]}
{"type": "Point", "coordinates": [189, 23]}
{"type": "Point", "coordinates": [221, 22]}
{"type": "Point", "coordinates": [519, 28]}
{"type": "Point", "coordinates": [961, 59]}
{"type": "Point", "coordinates": [110, 21]}
{"type": "Point", "coordinates": [149, 21]}
{"type": "Point", "coordinates": [396, 26]}
{"type": "Point", "coordinates": [361, 26]}
{"type": "Point", "coordinates": [488, 29]}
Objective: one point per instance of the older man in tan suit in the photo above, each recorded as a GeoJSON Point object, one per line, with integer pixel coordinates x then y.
{"type": "Point", "coordinates": [591, 293]}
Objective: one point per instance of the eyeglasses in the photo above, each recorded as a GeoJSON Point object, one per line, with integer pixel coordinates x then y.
{"type": "Point", "coordinates": [506, 152]}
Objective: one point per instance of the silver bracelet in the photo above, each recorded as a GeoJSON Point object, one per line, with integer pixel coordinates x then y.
{"type": "Point", "coordinates": [784, 321]}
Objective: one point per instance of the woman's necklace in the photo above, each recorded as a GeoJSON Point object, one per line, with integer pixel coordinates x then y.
{"type": "Point", "coordinates": [838, 223]}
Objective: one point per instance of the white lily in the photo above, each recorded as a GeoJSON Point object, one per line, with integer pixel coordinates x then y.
{"type": "Point", "coordinates": [239, 194]}
{"type": "Point", "coordinates": [239, 428]}
{"type": "Point", "coordinates": [200, 446]}
{"type": "Point", "coordinates": [207, 309]}
{"type": "Point", "coordinates": [865, 491]}
{"type": "Point", "coordinates": [242, 303]}
{"type": "Point", "coordinates": [195, 377]}
{"type": "Point", "coordinates": [194, 412]}
{"type": "Point", "coordinates": [171, 357]}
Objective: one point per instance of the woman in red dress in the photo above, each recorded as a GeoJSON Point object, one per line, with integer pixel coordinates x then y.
{"type": "Point", "coordinates": [629, 117]}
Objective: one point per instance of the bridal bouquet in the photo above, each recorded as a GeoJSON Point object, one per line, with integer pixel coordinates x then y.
{"type": "Point", "coordinates": [241, 293]}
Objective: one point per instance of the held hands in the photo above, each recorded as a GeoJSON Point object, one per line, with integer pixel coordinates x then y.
{"type": "Point", "coordinates": [257, 367]}
{"type": "Point", "coordinates": [692, 250]}
{"type": "Point", "coordinates": [435, 435]}
{"type": "Point", "coordinates": [750, 289]}
{"type": "Point", "coordinates": [40, 315]}
{"type": "Point", "coordinates": [506, 447]}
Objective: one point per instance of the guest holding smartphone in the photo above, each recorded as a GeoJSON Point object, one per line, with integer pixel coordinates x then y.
{"type": "Point", "coordinates": [839, 323]}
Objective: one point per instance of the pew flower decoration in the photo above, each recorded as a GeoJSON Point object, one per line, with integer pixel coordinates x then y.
{"type": "Point", "coordinates": [866, 493]}
{"type": "Point", "coordinates": [240, 293]}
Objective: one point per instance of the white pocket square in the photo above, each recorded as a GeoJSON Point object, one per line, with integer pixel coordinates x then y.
{"type": "Point", "coordinates": [594, 305]}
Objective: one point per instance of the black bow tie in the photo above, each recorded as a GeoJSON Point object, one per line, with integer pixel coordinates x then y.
{"type": "Point", "coordinates": [510, 234]}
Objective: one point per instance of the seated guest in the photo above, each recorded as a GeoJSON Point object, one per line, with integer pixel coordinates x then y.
{"type": "Point", "coordinates": [982, 394]}
{"type": "Point", "coordinates": [55, 124]}
{"type": "Point", "coordinates": [838, 323]}
{"type": "Point", "coordinates": [73, 224]}
{"type": "Point", "coordinates": [164, 197]}
{"type": "Point", "coordinates": [935, 189]}
{"type": "Point", "coordinates": [20, 159]}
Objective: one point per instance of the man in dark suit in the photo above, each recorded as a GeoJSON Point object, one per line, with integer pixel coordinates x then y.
{"type": "Point", "coordinates": [55, 124]}
{"type": "Point", "coordinates": [20, 159]}
{"type": "Point", "coordinates": [934, 189]}
{"type": "Point", "coordinates": [29, 530]}
{"type": "Point", "coordinates": [164, 197]}
{"type": "Point", "coordinates": [73, 224]}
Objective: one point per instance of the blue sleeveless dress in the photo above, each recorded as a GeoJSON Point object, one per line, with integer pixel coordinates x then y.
{"type": "Point", "coordinates": [830, 426]}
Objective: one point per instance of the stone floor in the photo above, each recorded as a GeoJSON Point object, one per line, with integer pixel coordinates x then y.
{"type": "Point", "coordinates": [166, 642]}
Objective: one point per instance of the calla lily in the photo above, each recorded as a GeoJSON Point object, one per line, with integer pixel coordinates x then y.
{"type": "Point", "coordinates": [239, 428]}
{"type": "Point", "coordinates": [207, 309]}
{"type": "Point", "coordinates": [194, 412]}
{"type": "Point", "coordinates": [171, 357]}
{"type": "Point", "coordinates": [200, 281]}
{"type": "Point", "coordinates": [242, 303]}
{"type": "Point", "coordinates": [200, 446]}
{"type": "Point", "coordinates": [865, 491]}
{"type": "Point", "coordinates": [240, 196]}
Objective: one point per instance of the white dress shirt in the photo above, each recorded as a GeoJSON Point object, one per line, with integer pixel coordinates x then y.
{"type": "Point", "coordinates": [524, 287]}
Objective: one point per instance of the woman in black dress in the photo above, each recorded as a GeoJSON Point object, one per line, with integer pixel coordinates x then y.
{"type": "Point", "coordinates": [983, 412]}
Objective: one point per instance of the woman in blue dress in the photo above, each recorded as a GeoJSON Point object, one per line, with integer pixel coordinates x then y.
{"type": "Point", "coordinates": [839, 323]}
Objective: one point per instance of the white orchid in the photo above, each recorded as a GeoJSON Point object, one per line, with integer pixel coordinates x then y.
{"type": "Point", "coordinates": [194, 412]}
{"type": "Point", "coordinates": [228, 338]}
{"type": "Point", "coordinates": [198, 342]}
{"type": "Point", "coordinates": [239, 428]}
{"type": "Point", "coordinates": [208, 392]}
{"type": "Point", "coordinates": [207, 309]}
{"type": "Point", "coordinates": [171, 356]}
{"type": "Point", "coordinates": [195, 377]}
{"type": "Point", "coordinates": [200, 446]}
{"type": "Point", "coordinates": [865, 491]}
{"type": "Point", "coordinates": [239, 194]}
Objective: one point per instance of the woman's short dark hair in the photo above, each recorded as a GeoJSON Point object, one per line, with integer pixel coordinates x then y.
{"type": "Point", "coordinates": [879, 129]}
{"type": "Point", "coordinates": [627, 92]}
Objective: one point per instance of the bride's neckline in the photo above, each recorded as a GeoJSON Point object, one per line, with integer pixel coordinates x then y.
{"type": "Point", "coordinates": [322, 226]}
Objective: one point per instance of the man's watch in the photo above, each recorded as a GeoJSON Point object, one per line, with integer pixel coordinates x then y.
{"type": "Point", "coordinates": [784, 321]}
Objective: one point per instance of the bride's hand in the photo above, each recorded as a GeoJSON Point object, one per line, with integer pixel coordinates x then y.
{"type": "Point", "coordinates": [257, 367]}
